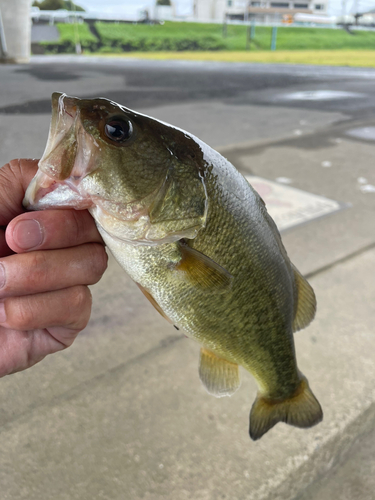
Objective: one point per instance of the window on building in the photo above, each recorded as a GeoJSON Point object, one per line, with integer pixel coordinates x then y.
{"type": "Point", "coordinates": [280, 5]}
{"type": "Point", "coordinates": [255, 4]}
{"type": "Point", "coordinates": [229, 3]}
{"type": "Point", "coordinates": [319, 6]}
{"type": "Point", "coordinates": [301, 5]}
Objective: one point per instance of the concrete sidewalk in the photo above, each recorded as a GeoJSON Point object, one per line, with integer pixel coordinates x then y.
{"type": "Point", "coordinates": [122, 414]}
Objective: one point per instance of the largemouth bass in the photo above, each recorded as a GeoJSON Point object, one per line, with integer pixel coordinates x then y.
{"type": "Point", "coordinates": [195, 237]}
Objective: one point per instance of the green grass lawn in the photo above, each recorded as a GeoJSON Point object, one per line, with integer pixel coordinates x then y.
{"type": "Point", "coordinates": [178, 36]}
{"type": "Point", "coordinates": [70, 34]}
{"type": "Point", "coordinates": [67, 32]}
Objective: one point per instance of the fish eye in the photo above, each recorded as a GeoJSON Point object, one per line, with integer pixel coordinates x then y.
{"type": "Point", "coordinates": [118, 130]}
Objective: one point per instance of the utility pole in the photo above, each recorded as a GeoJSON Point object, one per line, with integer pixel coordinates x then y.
{"type": "Point", "coordinates": [15, 31]}
{"type": "Point", "coordinates": [356, 11]}
{"type": "Point", "coordinates": [76, 33]}
{"type": "Point", "coordinates": [343, 10]}
{"type": "Point", "coordinates": [3, 43]}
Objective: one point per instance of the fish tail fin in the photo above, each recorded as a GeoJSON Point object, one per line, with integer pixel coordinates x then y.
{"type": "Point", "coordinates": [301, 410]}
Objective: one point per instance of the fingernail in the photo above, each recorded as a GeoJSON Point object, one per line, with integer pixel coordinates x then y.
{"type": "Point", "coordinates": [3, 316]}
{"type": "Point", "coordinates": [28, 234]}
{"type": "Point", "coordinates": [2, 275]}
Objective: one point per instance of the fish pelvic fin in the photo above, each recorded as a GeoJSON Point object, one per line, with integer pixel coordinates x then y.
{"type": "Point", "coordinates": [306, 302]}
{"type": "Point", "coordinates": [151, 299]}
{"type": "Point", "coordinates": [218, 376]}
{"type": "Point", "coordinates": [301, 410]}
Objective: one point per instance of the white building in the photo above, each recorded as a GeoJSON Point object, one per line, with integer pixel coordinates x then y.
{"type": "Point", "coordinates": [210, 10]}
{"type": "Point", "coordinates": [164, 12]}
{"type": "Point", "coordinates": [269, 11]}
{"type": "Point", "coordinates": [236, 9]}
{"type": "Point", "coordinates": [266, 11]}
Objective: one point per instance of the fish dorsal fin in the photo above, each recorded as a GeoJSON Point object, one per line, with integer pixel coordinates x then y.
{"type": "Point", "coordinates": [201, 271]}
{"type": "Point", "coordinates": [151, 299]}
{"type": "Point", "coordinates": [218, 376]}
{"type": "Point", "coordinates": [306, 302]}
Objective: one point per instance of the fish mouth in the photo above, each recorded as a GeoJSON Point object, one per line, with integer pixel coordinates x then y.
{"type": "Point", "coordinates": [70, 150]}
{"type": "Point", "coordinates": [44, 192]}
{"type": "Point", "coordinates": [68, 157]}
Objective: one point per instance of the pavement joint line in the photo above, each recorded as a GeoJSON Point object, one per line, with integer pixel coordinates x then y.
{"type": "Point", "coordinates": [328, 456]}
{"type": "Point", "coordinates": [338, 461]}
{"type": "Point", "coordinates": [341, 260]}
{"type": "Point", "coordinates": [77, 389]}
{"type": "Point", "coordinates": [336, 127]}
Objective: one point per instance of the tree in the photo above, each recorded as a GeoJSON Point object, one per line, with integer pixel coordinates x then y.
{"type": "Point", "coordinates": [57, 4]}
{"type": "Point", "coordinates": [163, 2]}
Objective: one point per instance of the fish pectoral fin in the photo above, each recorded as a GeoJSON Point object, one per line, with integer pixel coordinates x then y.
{"type": "Point", "coordinates": [151, 299]}
{"type": "Point", "coordinates": [306, 302]}
{"type": "Point", "coordinates": [201, 271]}
{"type": "Point", "coordinates": [301, 410]}
{"type": "Point", "coordinates": [218, 376]}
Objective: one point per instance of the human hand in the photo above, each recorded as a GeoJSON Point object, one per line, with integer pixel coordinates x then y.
{"type": "Point", "coordinates": [44, 298]}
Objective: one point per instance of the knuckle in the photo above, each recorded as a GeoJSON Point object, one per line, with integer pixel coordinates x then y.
{"type": "Point", "coordinates": [38, 260]}
{"type": "Point", "coordinates": [14, 167]}
{"type": "Point", "coordinates": [78, 226]}
{"type": "Point", "coordinates": [8, 173]}
{"type": "Point", "coordinates": [37, 269]}
{"type": "Point", "coordinates": [15, 164]}
{"type": "Point", "coordinates": [98, 260]}
{"type": "Point", "coordinates": [82, 300]}
{"type": "Point", "coordinates": [20, 313]}
{"type": "Point", "coordinates": [81, 296]}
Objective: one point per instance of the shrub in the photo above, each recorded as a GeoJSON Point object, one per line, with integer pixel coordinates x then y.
{"type": "Point", "coordinates": [110, 50]}
{"type": "Point", "coordinates": [178, 36]}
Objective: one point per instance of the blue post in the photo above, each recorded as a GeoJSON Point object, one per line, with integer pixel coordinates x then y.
{"type": "Point", "coordinates": [225, 27]}
{"type": "Point", "coordinates": [274, 36]}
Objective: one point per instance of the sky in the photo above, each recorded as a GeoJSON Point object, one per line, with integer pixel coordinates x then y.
{"type": "Point", "coordinates": [131, 7]}
{"type": "Point", "coordinates": [184, 7]}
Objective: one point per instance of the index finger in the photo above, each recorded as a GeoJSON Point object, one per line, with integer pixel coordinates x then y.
{"type": "Point", "coordinates": [51, 229]}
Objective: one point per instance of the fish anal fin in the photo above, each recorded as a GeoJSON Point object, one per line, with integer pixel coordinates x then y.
{"type": "Point", "coordinates": [218, 376]}
{"type": "Point", "coordinates": [151, 299]}
{"type": "Point", "coordinates": [301, 410]}
{"type": "Point", "coordinates": [201, 271]}
{"type": "Point", "coordinates": [306, 302]}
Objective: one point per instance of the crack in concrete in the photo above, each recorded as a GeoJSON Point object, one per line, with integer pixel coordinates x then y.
{"type": "Point", "coordinates": [77, 389]}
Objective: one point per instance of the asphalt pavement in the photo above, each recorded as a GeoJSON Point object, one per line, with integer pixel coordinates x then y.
{"type": "Point", "coordinates": [122, 413]}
